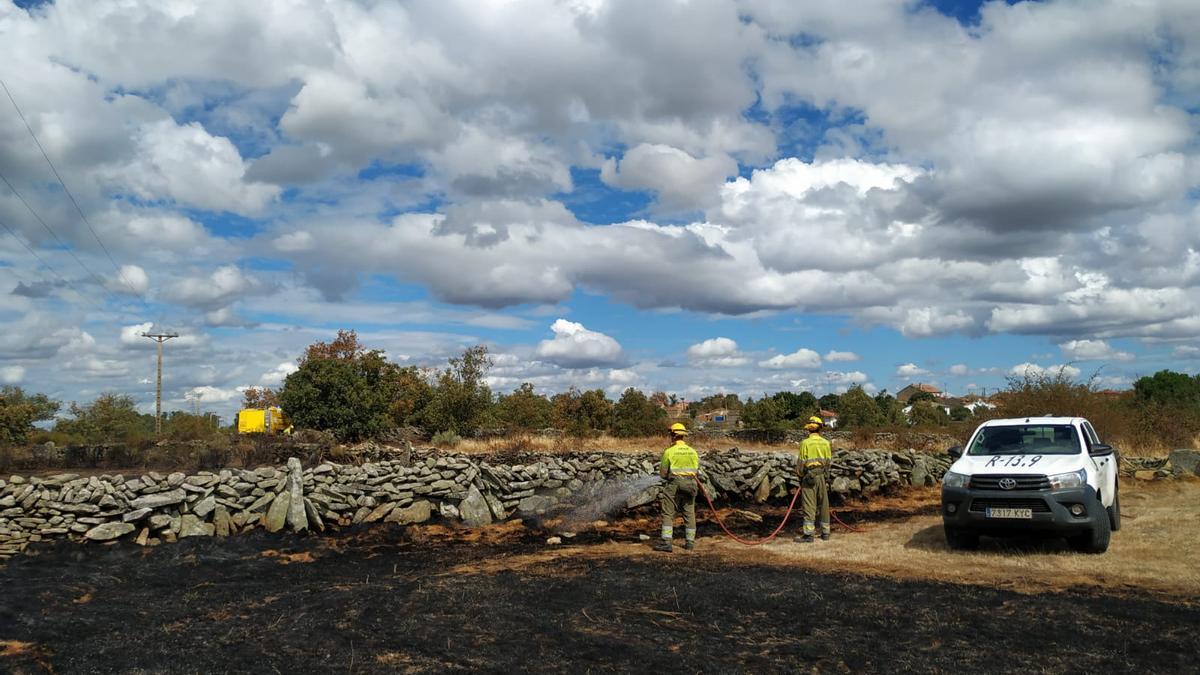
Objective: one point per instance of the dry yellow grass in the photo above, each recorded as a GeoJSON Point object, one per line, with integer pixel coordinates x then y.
{"type": "Point", "coordinates": [648, 444]}
{"type": "Point", "coordinates": [1155, 553]}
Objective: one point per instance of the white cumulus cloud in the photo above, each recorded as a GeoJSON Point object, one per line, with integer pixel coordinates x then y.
{"type": "Point", "coordinates": [799, 359]}
{"type": "Point", "coordinates": [1035, 370]}
{"type": "Point", "coordinates": [1092, 350]}
{"type": "Point", "coordinates": [834, 356]}
{"type": "Point", "coordinates": [717, 352]}
{"type": "Point", "coordinates": [910, 370]}
{"type": "Point", "coordinates": [574, 346]}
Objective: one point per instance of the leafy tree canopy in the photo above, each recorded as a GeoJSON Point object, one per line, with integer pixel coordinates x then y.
{"type": "Point", "coordinates": [19, 411]}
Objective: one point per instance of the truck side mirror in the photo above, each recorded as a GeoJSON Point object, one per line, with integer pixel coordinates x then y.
{"type": "Point", "coordinates": [1100, 450]}
{"type": "Point", "coordinates": [955, 451]}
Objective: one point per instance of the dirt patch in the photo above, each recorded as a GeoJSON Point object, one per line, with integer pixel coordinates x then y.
{"type": "Point", "coordinates": [15, 648]}
{"type": "Point", "coordinates": [1154, 553]}
{"type": "Point", "coordinates": [288, 558]}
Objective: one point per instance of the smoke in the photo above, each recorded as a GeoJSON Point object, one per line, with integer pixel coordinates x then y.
{"type": "Point", "coordinates": [608, 496]}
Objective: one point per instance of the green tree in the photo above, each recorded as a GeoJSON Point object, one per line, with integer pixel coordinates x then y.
{"type": "Point", "coordinates": [729, 402]}
{"type": "Point", "coordinates": [922, 396]}
{"type": "Point", "coordinates": [830, 402]}
{"type": "Point", "coordinates": [346, 389]}
{"type": "Point", "coordinates": [461, 399]}
{"type": "Point", "coordinates": [890, 408]}
{"type": "Point", "coordinates": [1167, 387]}
{"type": "Point", "coordinates": [350, 398]}
{"type": "Point", "coordinates": [524, 409]}
{"type": "Point", "coordinates": [795, 407]}
{"type": "Point", "coordinates": [111, 418]}
{"type": "Point", "coordinates": [858, 410]}
{"type": "Point", "coordinates": [411, 393]}
{"type": "Point", "coordinates": [259, 398]}
{"type": "Point", "coordinates": [19, 411]}
{"type": "Point", "coordinates": [582, 413]}
{"type": "Point", "coordinates": [960, 413]}
{"type": "Point", "coordinates": [926, 414]}
{"type": "Point", "coordinates": [764, 413]}
{"type": "Point", "coordinates": [636, 415]}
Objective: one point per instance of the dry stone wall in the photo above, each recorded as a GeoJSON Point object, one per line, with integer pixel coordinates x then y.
{"type": "Point", "coordinates": [152, 508]}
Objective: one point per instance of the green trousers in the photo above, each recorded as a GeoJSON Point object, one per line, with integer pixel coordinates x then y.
{"type": "Point", "coordinates": [678, 494]}
{"type": "Point", "coordinates": [814, 501]}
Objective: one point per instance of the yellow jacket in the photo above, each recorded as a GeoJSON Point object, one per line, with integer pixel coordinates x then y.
{"type": "Point", "coordinates": [815, 451]}
{"type": "Point", "coordinates": [680, 460]}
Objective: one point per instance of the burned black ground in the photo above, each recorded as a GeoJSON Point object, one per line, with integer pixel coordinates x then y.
{"type": "Point", "coordinates": [391, 599]}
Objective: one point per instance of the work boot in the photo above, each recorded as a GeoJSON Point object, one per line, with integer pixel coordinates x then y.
{"type": "Point", "coordinates": [689, 545]}
{"type": "Point", "coordinates": [662, 545]}
{"type": "Point", "coordinates": [806, 539]}
{"type": "Point", "coordinates": [824, 536]}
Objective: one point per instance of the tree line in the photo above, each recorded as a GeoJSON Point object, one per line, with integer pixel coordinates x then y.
{"type": "Point", "coordinates": [354, 393]}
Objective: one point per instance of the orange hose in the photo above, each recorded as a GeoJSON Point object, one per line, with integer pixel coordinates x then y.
{"type": "Point", "coordinates": [743, 542]}
{"type": "Point", "coordinates": [736, 538]}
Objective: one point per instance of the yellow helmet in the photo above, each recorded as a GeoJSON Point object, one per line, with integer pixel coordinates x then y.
{"type": "Point", "coordinates": [814, 424]}
{"type": "Point", "coordinates": [678, 429]}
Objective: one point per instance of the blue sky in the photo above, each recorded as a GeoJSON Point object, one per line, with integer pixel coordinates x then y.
{"type": "Point", "coordinates": [693, 197]}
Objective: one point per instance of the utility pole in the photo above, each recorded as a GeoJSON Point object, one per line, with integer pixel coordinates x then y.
{"type": "Point", "coordinates": [160, 338]}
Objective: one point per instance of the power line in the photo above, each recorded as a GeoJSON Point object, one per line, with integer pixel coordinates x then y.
{"type": "Point", "coordinates": [82, 216]}
{"type": "Point", "coordinates": [39, 258]}
{"type": "Point", "coordinates": [49, 229]}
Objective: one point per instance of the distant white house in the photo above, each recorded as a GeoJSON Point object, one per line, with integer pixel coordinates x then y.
{"type": "Point", "coordinates": [976, 405]}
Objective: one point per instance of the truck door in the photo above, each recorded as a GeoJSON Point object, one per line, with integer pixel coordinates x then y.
{"type": "Point", "coordinates": [1106, 467]}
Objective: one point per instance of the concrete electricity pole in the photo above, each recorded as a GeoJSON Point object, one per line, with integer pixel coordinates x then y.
{"type": "Point", "coordinates": [160, 338]}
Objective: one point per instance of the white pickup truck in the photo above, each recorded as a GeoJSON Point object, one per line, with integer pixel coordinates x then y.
{"type": "Point", "coordinates": [1033, 474]}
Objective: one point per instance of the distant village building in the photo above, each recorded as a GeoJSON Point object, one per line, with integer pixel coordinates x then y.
{"type": "Point", "coordinates": [906, 393]}
{"type": "Point", "coordinates": [830, 417]}
{"type": "Point", "coordinates": [718, 416]}
{"type": "Point", "coordinates": [677, 411]}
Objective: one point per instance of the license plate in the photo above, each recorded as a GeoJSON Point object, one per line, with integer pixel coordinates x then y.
{"type": "Point", "coordinates": [1009, 513]}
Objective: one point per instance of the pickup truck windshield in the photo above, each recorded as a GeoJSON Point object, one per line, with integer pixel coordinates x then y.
{"type": "Point", "coordinates": [1027, 439]}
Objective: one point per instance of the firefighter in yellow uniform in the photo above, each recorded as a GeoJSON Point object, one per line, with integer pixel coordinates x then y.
{"type": "Point", "coordinates": [813, 465]}
{"type": "Point", "coordinates": [679, 469]}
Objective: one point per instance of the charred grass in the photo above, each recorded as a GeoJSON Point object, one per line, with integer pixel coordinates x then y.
{"type": "Point", "coordinates": [439, 598]}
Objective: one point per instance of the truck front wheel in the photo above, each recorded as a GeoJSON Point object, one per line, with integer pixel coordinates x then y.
{"type": "Point", "coordinates": [1094, 540]}
{"type": "Point", "coordinates": [961, 540]}
{"type": "Point", "coordinates": [1114, 511]}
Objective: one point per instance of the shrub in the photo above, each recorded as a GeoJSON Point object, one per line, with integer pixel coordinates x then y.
{"type": "Point", "coordinates": [445, 439]}
{"type": "Point", "coordinates": [111, 418]}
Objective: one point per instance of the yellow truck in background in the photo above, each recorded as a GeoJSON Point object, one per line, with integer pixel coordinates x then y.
{"type": "Point", "coordinates": [263, 421]}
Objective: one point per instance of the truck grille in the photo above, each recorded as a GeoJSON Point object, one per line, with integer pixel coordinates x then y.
{"type": "Point", "coordinates": [992, 482]}
{"type": "Point", "coordinates": [1035, 505]}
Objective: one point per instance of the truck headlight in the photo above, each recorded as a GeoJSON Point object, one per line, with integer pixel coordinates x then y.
{"type": "Point", "coordinates": [955, 480]}
{"type": "Point", "coordinates": [1068, 480]}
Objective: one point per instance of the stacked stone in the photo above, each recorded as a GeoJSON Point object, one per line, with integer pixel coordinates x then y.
{"type": "Point", "coordinates": [153, 508]}
{"type": "Point", "coordinates": [393, 491]}
{"type": "Point", "coordinates": [920, 469]}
